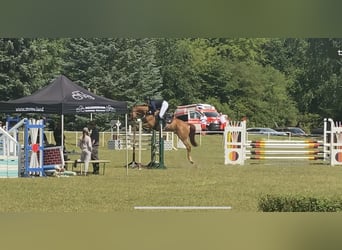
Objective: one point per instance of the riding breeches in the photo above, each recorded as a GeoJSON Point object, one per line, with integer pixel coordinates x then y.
{"type": "Point", "coordinates": [164, 107]}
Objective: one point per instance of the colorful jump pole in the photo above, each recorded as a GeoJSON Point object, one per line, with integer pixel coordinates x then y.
{"type": "Point", "coordinates": [238, 149]}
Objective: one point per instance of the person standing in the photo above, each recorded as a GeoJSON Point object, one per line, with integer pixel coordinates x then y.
{"type": "Point", "coordinates": [204, 123]}
{"type": "Point", "coordinates": [95, 139]}
{"type": "Point", "coordinates": [223, 121]}
{"type": "Point", "coordinates": [86, 149]}
{"type": "Point", "coordinates": [57, 134]}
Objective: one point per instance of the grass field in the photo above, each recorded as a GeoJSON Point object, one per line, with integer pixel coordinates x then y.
{"type": "Point", "coordinates": [206, 183]}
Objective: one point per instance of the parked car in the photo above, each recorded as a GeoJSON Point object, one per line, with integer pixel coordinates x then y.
{"type": "Point", "coordinates": [293, 131]}
{"type": "Point", "coordinates": [317, 131]}
{"type": "Point", "coordinates": [265, 131]}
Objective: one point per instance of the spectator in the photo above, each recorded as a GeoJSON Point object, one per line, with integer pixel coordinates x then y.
{"type": "Point", "coordinates": [223, 121]}
{"type": "Point", "coordinates": [204, 123]}
{"type": "Point", "coordinates": [86, 148]}
{"type": "Point", "coordinates": [95, 139]}
{"type": "Point", "coordinates": [57, 135]}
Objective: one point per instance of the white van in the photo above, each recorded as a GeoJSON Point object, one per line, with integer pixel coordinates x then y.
{"type": "Point", "coordinates": [191, 117]}
{"type": "Point", "coordinates": [213, 117]}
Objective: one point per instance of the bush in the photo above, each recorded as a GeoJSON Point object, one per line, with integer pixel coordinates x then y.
{"type": "Point", "coordinates": [269, 203]}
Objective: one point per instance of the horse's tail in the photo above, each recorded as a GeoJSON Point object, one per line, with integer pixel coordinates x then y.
{"type": "Point", "coordinates": [192, 135]}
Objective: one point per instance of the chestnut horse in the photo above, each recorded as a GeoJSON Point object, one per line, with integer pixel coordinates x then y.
{"type": "Point", "coordinates": [185, 132]}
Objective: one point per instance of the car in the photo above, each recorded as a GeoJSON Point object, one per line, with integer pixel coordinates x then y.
{"type": "Point", "coordinates": [265, 131]}
{"type": "Point", "coordinates": [293, 131]}
{"type": "Point", "coordinates": [317, 131]}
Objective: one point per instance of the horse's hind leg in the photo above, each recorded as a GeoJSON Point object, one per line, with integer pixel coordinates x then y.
{"type": "Point", "coordinates": [188, 151]}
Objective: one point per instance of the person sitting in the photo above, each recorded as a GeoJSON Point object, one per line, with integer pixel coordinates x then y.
{"type": "Point", "coordinates": [160, 105]}
{"type": "Point", "coordinates": [157, 104]}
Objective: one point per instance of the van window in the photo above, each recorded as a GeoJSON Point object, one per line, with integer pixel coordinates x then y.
{"type": "Point", "coordinates": [183, 117]}
{"type": "Point", "coordinates": [194, 115]}
{"type": "Point", "coordinates": [211, 114]}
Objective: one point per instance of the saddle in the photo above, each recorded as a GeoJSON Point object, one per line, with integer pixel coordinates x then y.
{"type": "Point", "coordinates": [168, 118]}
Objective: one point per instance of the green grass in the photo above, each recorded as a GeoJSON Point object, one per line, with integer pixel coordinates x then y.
{"type": "Point", "coordinates": [206, 183]}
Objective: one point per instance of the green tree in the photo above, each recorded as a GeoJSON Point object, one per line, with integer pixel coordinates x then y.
{"type": "Point", "coordinates": [260, 93]}
{"type": "Point", "coordinates": [181, 84]}
{"type": "Point", "coordinates": [326, 73]}
{"type": "Point", "coordinates": [27, 65]}
{"type": "Point", "coordinates": [240, 49]}
{"type": "Point", "coordinates": [121, 69]}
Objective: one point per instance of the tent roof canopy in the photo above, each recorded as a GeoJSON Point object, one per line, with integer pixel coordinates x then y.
{"type": "Point", "coordinates": [62, 96]}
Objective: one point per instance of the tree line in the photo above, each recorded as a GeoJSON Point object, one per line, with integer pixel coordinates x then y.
{"type": "Point", "coordinates": [272, 81]}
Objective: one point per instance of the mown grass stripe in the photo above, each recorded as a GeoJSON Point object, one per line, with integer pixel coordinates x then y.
{"type": "Point", "coordinates": [182, 208]}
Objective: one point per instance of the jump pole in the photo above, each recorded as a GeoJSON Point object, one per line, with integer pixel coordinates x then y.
{"type": "Point", "coordinates": [161, 146]}
{"type": "Point", "coordinates": [133, 163]}
{"type": "Point", "coordinates": [154, 163]}
{"type": "Point", "coordinates": [237, 147]}
{"type": "Point", "coordinates": [126, 125]}
{"type": "Point", "coordinates": [139, 150]}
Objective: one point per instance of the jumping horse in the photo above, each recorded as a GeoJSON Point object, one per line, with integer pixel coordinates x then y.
{"type": "Point", "coordinates": [185, 132]}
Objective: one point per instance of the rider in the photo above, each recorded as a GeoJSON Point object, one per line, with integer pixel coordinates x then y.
{"type": "Point", "coordinates": [157, 104]}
